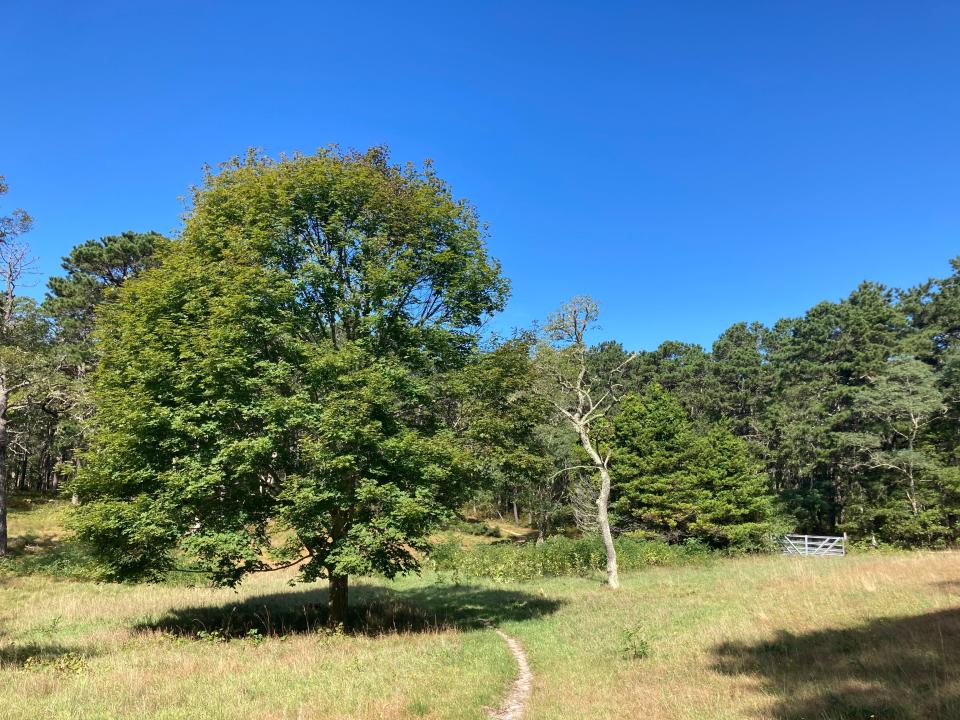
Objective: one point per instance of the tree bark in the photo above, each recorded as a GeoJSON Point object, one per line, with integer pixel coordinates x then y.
{"type": "Point", "coordinates": [603, 503]}
{"type": "Point", "coordinates": [337, 603]}
{"type": "Point", "coordinates": [4, 474]}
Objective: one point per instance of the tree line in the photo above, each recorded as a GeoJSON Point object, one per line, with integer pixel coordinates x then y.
{"type": "Point", "coordinates": [301, 378]}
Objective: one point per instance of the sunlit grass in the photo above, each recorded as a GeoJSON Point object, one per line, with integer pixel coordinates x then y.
{"type": "Point", "coordinates": [761, 637]}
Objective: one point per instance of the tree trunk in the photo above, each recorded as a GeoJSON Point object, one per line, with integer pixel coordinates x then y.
{"type": "Point", "coordinates": [337, 603]}
{"type": "Point", "coordinates": [4, 474]}
{"type": "Point", "coordinates": [603, 502]}
{"type": "Point", "coordinates": [516, 514]}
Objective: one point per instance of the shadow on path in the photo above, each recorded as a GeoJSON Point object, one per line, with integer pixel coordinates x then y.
{"type": "Point", "coordinates": [373, 611]}
{"type": "Point", "coordinates": [901, 668]}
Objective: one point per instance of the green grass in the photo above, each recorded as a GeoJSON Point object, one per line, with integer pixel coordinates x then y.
{"type": "Point", "coordinates": [756, 637]}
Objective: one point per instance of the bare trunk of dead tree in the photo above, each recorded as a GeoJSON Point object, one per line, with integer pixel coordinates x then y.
{"type": "Point", "coordinates": [603, 518]}
{"type": "Point", "coordinates": [4, 473]}
{"type": "Point", "coordinates": [337, 603]}
{"type": "Point", "coordinates": [603, 503]}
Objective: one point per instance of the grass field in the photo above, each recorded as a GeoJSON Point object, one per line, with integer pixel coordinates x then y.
{"type": "Point", "coordinates": [868, 636]}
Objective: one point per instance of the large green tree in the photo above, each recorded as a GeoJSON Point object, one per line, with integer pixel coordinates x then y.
{"type": "Point", "coordinates": [905, 493]}
{"type": "Point", "coordinates": [284, 372]}
{"type": "Point", "coordinates": [819, 362]}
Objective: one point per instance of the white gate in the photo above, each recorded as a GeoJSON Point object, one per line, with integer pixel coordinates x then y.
{"type": "Point", "coordinates": [820, 545]}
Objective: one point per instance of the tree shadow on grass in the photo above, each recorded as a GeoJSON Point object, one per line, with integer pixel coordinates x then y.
{"type": "Point", "coordinates": [373, 611]}
{"type": "Point", "coordinates": [901, 668]}
{"type": "Point", "coordinates": [43, 655]}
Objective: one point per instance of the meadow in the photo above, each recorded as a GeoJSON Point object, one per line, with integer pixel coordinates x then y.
{"type": "Point", "coordinates": [872, 635]}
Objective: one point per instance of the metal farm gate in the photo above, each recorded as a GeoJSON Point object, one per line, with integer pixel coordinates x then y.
{"type": "Point", "coordinates": [818, 545]}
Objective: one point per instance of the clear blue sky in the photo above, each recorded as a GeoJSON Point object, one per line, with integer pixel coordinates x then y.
{"type": "Point", "coordinates": [689, 164]}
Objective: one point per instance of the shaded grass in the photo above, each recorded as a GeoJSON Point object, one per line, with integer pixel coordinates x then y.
{"type": "Point", "coordinates": [39, 544]}
{"type": "Point", "coordinates": [898, 667]}
{"type": "Point", "coordinates": [375, 610]}
{"type": "Point", "coordinates": [158, 652]}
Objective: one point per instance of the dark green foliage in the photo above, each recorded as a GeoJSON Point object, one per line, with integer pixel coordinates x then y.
{"type": "Point", "coordinates": [820, 361]}
{"type": "Point", "coordinates": [741, 380]}
{"type": "Point", "coordinates": [676, 482]}
{"type": "Point", "coordinates": [95, 270]}
{"type": "Point", "coordinates": [852, 409]}
{"type": "Point", "coordinates": [504, 424]}
{"type": "Point", "coordinates": [906, 489]}
{"type": "Point", "coordinates": [62, 558]}
{"type": "Point", "coordinates": [50, 426]}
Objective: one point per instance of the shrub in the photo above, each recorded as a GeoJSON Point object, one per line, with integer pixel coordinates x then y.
{"type": "Point", "coordinates": [556, 556]}
{"type": "Point", "coordinates": [635, 644]}
{"type": "Point", "coordinates": [69, 662]}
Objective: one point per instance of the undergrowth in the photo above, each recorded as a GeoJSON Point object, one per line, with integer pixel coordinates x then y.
{"type": "Point", "coordinates": [556, 556]}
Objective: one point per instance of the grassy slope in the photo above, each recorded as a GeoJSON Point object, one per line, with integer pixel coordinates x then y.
{"type": "Point", "coordinates": [750, 638]}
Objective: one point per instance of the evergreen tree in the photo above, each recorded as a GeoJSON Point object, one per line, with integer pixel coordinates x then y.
{"type": "Point", "coordinates": [94, 270]}
{"type": "Point", "coordinates": [820, 361]}
{"type": "Point", "coordinates": [654, 448]}
{"type": "Point", "coordinates": [679, 483]}
{"type": "Point", "coordinates": [903, 491]}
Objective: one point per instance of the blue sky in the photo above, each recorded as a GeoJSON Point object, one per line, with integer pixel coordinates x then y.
{"type": "Point", "coordinates": [689, 164]}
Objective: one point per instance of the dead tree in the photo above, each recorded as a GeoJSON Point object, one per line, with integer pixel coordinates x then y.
{"type": "Point", "coordinates": [583, 398]}
{"type": "Point", "coordinates": [17, 335]}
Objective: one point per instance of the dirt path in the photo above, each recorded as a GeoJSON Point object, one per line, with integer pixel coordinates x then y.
{"type": "Point", "coordinates": [515, 702]}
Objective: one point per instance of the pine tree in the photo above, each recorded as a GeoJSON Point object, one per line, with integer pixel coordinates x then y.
{"type": "Point", "coordinates": [677, 483]}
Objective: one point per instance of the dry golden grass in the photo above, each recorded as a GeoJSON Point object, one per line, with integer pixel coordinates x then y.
{"type": "Point", "coordinates": [767, 637]}
{"type": "Point", "coordinates": [771, 637]}
{"type": "Point", "coordinates": [104, 651]}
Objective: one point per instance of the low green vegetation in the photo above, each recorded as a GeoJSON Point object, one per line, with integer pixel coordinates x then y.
{"type": "Point", "coordinates": [41, 546]}
{"type": "Point", "coordinates": [556, 556]}
{"type": "Point", "coordinates": [479, 528]}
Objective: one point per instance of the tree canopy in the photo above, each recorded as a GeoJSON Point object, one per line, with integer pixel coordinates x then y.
{"type": "Point", "coordinates": [276, 391]}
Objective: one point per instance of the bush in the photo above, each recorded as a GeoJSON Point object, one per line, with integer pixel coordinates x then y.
{"type": "Point", "coordinates": [557, 556]}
